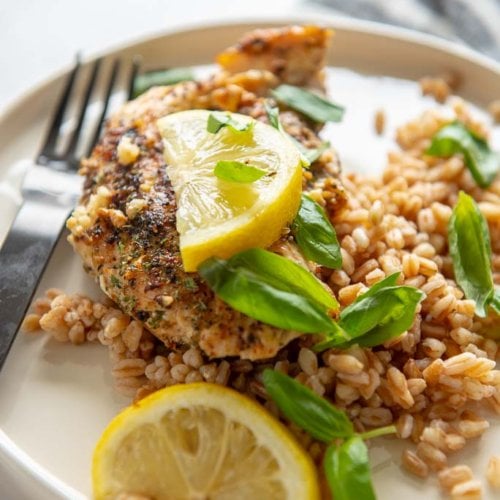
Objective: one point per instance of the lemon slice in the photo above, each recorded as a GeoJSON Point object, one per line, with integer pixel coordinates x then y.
{"type": "Point", "coordinates": [220, 218]}
{"type": "Point", "coordinates": [200, 441]}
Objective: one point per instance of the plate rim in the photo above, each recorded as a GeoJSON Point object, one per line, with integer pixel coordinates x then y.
{"type": "Point", "coordinates": [13, 453]}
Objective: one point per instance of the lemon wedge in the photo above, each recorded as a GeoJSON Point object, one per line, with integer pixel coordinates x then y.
{"type": "Point", "coordinates": [200, 441]}
{"type": "Point", "coordinates": [220, 218]}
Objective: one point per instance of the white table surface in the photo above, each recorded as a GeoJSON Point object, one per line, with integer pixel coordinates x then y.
{"type": "Point", "coordinates": [39, 37]}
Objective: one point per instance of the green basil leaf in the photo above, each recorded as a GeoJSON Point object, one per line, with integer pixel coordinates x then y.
{"type": "Point", "coordinates": [282, 270]}
{"type": "Point", "coordinates": [218, 120]}
{"type": "Point", "coordinates": [274, 120]}
{"type": "Point", "coordinates": [383, 312]}
{"type": "Point", "coordinates": [273, 116]}
{"type": "Point", "coordinates": [235, 171]}
{"type": "Point", "coordinates": [495, 301]}
{"type": "Point", "coordinates": [309, 155]}
{"type": "Point", "coordinates": [157, 78]}
{"type": "Point", "coordinates": [272, 289]}
{"type": "Point", "coordinates": [470, 250]}
{"type": "Point", "coordinates": [399, 317]}
{"type": "Point", "coordinates": [387, 282]}
{"type": "Point", "coordinates": [312, 105]}
{"type": "Point", "coordinates": [347, 470]}
{"type": "Point", "coordinates": [315, 235]}
{"type": "Point", "coordinates": [454, 138]}
{"type": "Point", "coordinates": [306, 409]}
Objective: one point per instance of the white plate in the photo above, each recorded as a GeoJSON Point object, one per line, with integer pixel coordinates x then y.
{"type": "Point", "coordinates": [56, 399]}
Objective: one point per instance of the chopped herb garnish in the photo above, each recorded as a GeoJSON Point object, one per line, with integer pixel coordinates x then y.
{"type": "Point", "coordinates": [470, 250]}
{"type": "Point", "coordinates": [346, 464]}
{"type": "Point", "coordinates": [315, 235]}
{"type": "Point", "coordinates": [383, 312]}
{"type": "Point", "coordinates": [155, 319]}
{"type": "Point", "coordinates": [312, 105]}
{"type": "Point", "coordinates": [201, 306]}
{"type": "Point", "coordinates": [157, 78]}
{"type": "Point", "coordinates": [272, 289]}
{"type": "Point", "coordinates": [115, 281]}
{"type": "Point", "coordinates": [129, 302]}
{"type": "Point", "coordinates": [454, 138]}
{"type": "Point", "coordinates": [190, 284]}
{"type": "Point", "coordinates": [236, 171]}
{"type": "Point", "coordinates": [218, 120]}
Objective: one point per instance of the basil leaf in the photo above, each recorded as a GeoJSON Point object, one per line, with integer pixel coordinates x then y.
{"type": "Point", "coordinates": [274, 120]}
{"type": "Point", "coordinates": [312, 105]}
{"type": "Point", "coordinates": [315, 235]}
{"type": "Point", "coordinates": [495, 301]}
{"type": "Point", "coordinates": [272, 289]}
{"type": "Point", "coordinates": [157, 78]}
{"type": "Point", "coordinates": [310, 155]}
{"type": "Point", "coordinates": [273, 116]}
{"type": "Point", "coordinates": [218, 120]}
{"type": "Point", "coordinates": [399, 303]}
{"type": "Point", "coordinates": [483, 163]}
{"type": "Point", "coordinates": [347, 470]}
{"type": "Point", "coordinates": [306, 409]}
{"type": "Point", "coordinates": [283, 270]}
{"type": "Point", "coordinates": [235, 171]}
{"type": "Point", "coordinates": [470, 250]}
{"type": "Point", "coordinates": [383, 312]}
{"type": "Point", "coordinates": [388, 281]}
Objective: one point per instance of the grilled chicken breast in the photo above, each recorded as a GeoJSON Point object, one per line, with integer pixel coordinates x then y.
{"type": "Point", "coordinates": [125, 225]}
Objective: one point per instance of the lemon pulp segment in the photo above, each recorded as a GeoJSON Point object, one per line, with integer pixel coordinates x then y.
{"type": "Point", "coordinates": [220, 218]}
{"type": "Point", "coordinates": [201, 441]}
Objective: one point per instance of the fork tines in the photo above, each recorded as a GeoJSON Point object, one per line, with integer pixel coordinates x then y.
{"type": "Point", "coordinates": [50, 152]}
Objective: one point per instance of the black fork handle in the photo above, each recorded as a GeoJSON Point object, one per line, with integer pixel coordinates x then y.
{"type": "Point", "coordinates": [23, 258]}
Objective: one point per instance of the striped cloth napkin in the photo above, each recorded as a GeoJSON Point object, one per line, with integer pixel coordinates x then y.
{"type": "Point", "coordinates": [473, 22]}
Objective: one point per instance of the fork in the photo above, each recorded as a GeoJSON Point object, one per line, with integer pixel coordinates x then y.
{"type": "Point", "coordinates": [50, 190]}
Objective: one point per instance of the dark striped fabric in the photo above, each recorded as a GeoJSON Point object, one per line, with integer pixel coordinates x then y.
{"type": "Point", "coordinates": [473, 22]}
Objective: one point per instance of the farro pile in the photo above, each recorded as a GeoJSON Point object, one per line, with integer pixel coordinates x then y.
{"type": "Point", "coordinates": [423, 381]}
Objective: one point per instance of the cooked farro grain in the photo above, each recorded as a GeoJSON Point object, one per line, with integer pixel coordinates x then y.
{"type": "Point", "coordinates": [472, 428]}
{"type": "Point", "coordinates": [414, 464]}
{"type": "Point", "coordinates": [436, 87]}
{"type": "Point", "coordinates": [431, 455]}
{"type": "Point", "coordinates": [31, 323]}
{"type": "Point", "coordinates": [379, 121]}
{"type": "Point", "coordinates": [494, 110]}
{"type": "Point", "coordinates": [345, 363]}
{"type": "Point", "coordinates": [452, 476]}
{"type": "Point", "coordinates": [423, 381]}
{"type": "Point", "coordinates": [468, 490]}
{"type": "Point", "coordinates": [493, 471]}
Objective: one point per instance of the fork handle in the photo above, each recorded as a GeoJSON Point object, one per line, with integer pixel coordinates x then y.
{"type": "Point", "coordinates": [23, 258]}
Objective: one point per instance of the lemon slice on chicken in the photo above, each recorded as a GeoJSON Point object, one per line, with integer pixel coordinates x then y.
{"type": "Point", "coordinates": [220, 218]}
{"type": "Point", "coordinates": [200, 441]}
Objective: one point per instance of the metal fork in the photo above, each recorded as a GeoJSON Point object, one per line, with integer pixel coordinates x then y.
{"type": "Point", "coordinates": [50, 190]}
